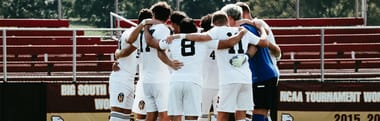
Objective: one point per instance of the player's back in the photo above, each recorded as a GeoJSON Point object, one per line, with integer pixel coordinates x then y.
{"type": "Point", "coordinates": [192, 55]}
{"type": "Point", "coordinates": [228, 73]}
{"type": "Point", "coordinates": [210, 71]}
{"type": "Point", "coordinates": [153, 69]}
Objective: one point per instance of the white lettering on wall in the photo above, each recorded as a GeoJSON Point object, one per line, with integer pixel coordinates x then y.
{"type": "Point", "coordinates": [371, 97]}
{"type": "Point", "coordinates": [291, 96]}
{"type": "Point", "coordinates": [67, 90]}
{"type": "Point", "coordinates": [332, 97]}
{"type": "Point", "coordinates": [102, 104]}
{"type": "Point", "coordinates": [92, 90]}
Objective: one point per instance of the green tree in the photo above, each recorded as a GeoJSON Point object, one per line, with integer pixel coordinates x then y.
{"type": "Point", "coordinates": [94, 11]}
{"type": "Point", "coordinates": [131, 8]}
{"type": "Point", "coordinates": [373, 12]}
{"type": "Point", "coordinates": [327, 8]}
{"type": "Point", "coordinates": [199, 8]}
{"type": "Point", "coordinates": [273, 8]}
{"type": "Point", "coordinates": [28, 9]}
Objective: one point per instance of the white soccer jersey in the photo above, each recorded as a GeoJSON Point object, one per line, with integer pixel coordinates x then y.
{"type": "Point", "coordinates": [121, 87]}
{"type": "Point", "coordinates": [128, 63]}
{"type": "Point", "coordinates": [153, 69]}
{"type": "Point", "coordinates": [192, 55]}
{"type": "Point", "coordinates": [227, 73]}
{"type": "Point", "coordinates": [210, 71]}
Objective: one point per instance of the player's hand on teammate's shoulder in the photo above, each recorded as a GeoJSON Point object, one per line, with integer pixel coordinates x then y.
{"type": "Point", "coordinates": [151, 21]}
{"type": "Point", "coordinates": [243, 30]}
{"type": "Point", "coordinates": [175, 64]}
{"type": "Point", "coordinates": [243, 21]}
{"type": "Point", "coordinates": [117, 53]}
{"type": "Point", "coordinates": [115, 66]}
{"type": "Point", "coordinates": [147, 26]}
{"type": "Point", "coordinates": [170, 38]}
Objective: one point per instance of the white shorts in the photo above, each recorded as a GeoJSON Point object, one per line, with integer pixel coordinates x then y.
{"type": "Point", "coordinates": [184, 99]}
{"type": "Point", "coordinates": [209, 96]}
{"type": "Point", "coordinates": [156, 97]}
{"type": "Point", "coordinates": [121, 90]}
{"type": "Point", "coordinates": [233, 97]}
{"type": "Point", "coordinates": [139, 102]}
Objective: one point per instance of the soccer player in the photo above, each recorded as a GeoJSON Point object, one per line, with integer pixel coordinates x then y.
{"type": "Point", "coordinates": [185, 83]}
{"type": "Point", "coordinates": [263, 65]}
{"type": "Point", "coordinates": [155, 73]}
{"type": "Point", "coordinates": [121, 84]}
{"type": "Point", "coordinates": [138, 103]}
{"type": "Point", "coordinates": [176, 17]}
{"type": "Point", "coordinates": [235, 94]}
{"type": "Point", "coordinates": [210, 77]}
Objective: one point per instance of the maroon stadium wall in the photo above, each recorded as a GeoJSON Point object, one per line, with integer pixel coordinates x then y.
{"type": "Point", "coordinates": [298, 101]}
{"type": "Point", "coordinates": [329, 101]}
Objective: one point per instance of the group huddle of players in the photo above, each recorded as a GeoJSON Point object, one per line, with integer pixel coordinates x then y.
{"type": "Point", "coordinates": [228, 64]}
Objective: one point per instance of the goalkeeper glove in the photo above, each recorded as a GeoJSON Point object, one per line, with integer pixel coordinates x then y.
{"type": "Point", "coordinates": [238, 60]}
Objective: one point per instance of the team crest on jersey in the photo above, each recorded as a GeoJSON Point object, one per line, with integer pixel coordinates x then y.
{"type": "Point", "coordinates": [120, 97]}
{"type": "Point", "coordinates": [141, 104]}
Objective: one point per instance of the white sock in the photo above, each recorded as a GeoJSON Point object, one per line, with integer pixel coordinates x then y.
{"type": "Point", "coordinates": [190, 120]}
{"type": "Point", "coordinates": [116, 116]}
{"type": "Point", "coordinates": [213, 117]}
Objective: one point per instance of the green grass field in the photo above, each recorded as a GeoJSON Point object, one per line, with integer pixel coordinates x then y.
{"type": "Point", "coordinates": [80, 24]}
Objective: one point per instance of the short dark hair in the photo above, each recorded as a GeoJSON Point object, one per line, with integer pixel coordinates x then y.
{"type": "Point", "coordinates": [177, 17]}
{"type": "Point", "coordinates": [219, 18]}
{"type": "Point", "coordinates": [144, 14]}
{"type": "Point", "coordinates": [244, 6]}
{"type": "Point", "coordinates": [206, 22]}
{"type": "Point", "coordinates": [187, 25]}
{"type": "Point", "coordinates": [161, 11]}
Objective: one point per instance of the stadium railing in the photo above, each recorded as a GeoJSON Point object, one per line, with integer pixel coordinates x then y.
{"type": "Point", "coordinates": [329, 38]}
{"type": "Point", "coordinates": [100, 59]}
{"type": "Point", "coordinates": [328, 31]}
{"type": "Point", "coordinates": [74, 66]}
{"type": "Point", "coordinates": [289, 22]}
{"type": "Point", "coordinates": [54, 23]}
{"type": "Point", "coordinates": [307, 22]}
{"type": "Point", "coordinates": [341, 54]}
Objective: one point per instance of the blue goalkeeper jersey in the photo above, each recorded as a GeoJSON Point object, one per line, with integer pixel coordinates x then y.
{"type": "Point", "coordinates": [261, 64]}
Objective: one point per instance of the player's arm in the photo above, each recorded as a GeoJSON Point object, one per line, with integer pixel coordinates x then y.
{"type": "Point", "coordinates": [255, 41]}
{"type": "Point", "coordinates": [149, 38]}
{"type": "Point", "coordinates": [174, 64]}
{"type": "Point", "coordinates": [275, 50]}
{"type": "Point", "coordinates": [198, 37]}
{"type": "Point", "coordinates": [256, 23]}
{"type": "Point", "coordinates": [135, 33]}
{"type": "Point", "coordinates": [231, 41]}
{"type": "Point", "coordinates": [115, 66]}
{"type": "Point", "coordinates": [124, 52]}
{"type": "Point", "coordinates": [251, 50]}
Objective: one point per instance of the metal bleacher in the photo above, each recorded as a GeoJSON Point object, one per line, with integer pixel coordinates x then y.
{"type": "Point", "coordinates": [49, 51]}
{"type": "Point", "coordinates": [335, 53]}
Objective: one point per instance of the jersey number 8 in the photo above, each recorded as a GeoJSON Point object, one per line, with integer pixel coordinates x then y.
{"type": "Point", "coordinates": [187, 47]}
